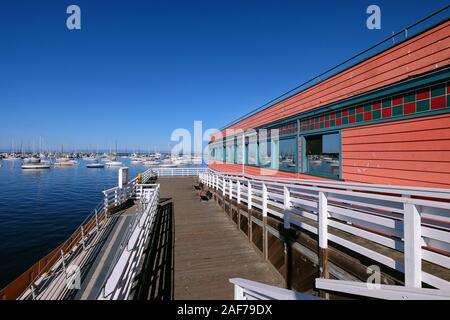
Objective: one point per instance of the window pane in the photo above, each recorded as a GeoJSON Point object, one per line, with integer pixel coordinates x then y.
{"type": "Point", "coordinates": [265, 154]}
{"type": "Point", "coordinates": [251, 152]}
{"type": "Point", "coordinates": [287, 154]}
{"type": "Point", "coordinates": [239, 154]}
{"type": "Point", "coordinates": [230, 153]}
{"type": "Point", "coordinates": [322, 154]}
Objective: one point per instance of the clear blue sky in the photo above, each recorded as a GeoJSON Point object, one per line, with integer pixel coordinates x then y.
{"type": "Point", "coordinates": [139, 69]}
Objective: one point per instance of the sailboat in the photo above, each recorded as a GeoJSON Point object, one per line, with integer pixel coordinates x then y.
{"type": "Point", "coordinates": [114, 163]}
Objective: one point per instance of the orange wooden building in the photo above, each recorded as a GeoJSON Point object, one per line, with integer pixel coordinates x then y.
{"type": "Point", "coordinates": [384, 120]}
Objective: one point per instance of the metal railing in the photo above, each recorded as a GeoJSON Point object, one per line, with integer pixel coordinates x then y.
{"type": "Point", "coordinates": [412, 221]}
{"type": "Point", "coordinates": [178, 172]}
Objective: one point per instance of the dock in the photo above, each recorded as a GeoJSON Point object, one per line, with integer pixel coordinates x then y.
{"type": "Point", "coordinates": [208, 249]}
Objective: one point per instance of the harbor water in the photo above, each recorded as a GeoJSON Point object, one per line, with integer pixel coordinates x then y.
{"type": "Point", "coordinates": [39, 209]}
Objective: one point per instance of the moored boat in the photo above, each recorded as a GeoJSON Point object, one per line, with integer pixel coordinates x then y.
{"type": "Point", "coordinates": [113, 164]}
{"type": "Point", "coordinates": [95, 165]}
{"type": "Point", "coordinates": [36, 165]}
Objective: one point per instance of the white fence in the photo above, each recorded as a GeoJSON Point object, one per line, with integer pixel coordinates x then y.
{"type": "Point", "coordinates": [250, 290]}
{"type": "Point", "coordinates": [48, 274]}
{"type": "Point", "coordinates": [412, 221]}
{"type": "Point", "coordinates": [116, 196]}
{"type": "Point", "coordinates": [127, 262]}
{"type": "Point", "coordinates": [178, 172]}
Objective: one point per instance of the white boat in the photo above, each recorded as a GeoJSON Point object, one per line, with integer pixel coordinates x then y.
{"type": "Point", "coordinates": [31, 160]}
{"type": "Point", "coordinates": [150, 163]}
{"type": "Point", "coordinates": [168, 165]}
{"type": "Point", "coordinates": [136, 161]}
{"type": "Point", "coordinates": [64, 162]}
{"type": "Point", "coordinates": [36, 165]}
{"type": "Point", "coordinates": [95, 165]}
{"type": "Point", "coordinates": [10, 158]}
{"type": "Point", "coordinates": [113, 164]}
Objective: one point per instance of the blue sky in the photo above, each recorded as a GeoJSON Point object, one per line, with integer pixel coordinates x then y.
{"type": "Point", "coordinates": [137, 70]}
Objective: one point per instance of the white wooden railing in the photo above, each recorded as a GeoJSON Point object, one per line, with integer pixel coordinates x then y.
{"type": "Point", "coordinates": [251, 290]}
{"type": "Point", "coordinates": [178, 172]}
{"type": "Point", "coordinates": [83, 240]}
{"type": "Point", "coordinates": [116, 196]}
{"type": "Point", "coordinates": [127, 260]}
{"type": "Point", "coordinates": [412, 221]}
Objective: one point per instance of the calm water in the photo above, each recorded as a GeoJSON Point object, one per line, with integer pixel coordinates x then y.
{"type": "Point", "coordinates": [40, 209]}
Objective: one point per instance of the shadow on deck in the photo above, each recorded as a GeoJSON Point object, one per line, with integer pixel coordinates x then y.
{"type": "Point", "coordinates": [155, 282]}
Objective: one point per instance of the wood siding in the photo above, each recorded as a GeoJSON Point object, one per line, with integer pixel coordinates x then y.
{"type": "Point", "coordinates": [427, 51]}
{"type": "Point", "coordinates": [412, 152]}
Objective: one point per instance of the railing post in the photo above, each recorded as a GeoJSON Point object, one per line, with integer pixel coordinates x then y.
{"type": "Point", "coordinates": [231, 189]}
{"type": "Point", "coordinates": [287, 206]}
{"type": "Point", "coordinates": [238, 191]}
{"type": "Point", "coordinates": [264, 217]}
{"type": "Point", "coordinates": [323, 235]}
{"type": "Point", "coordinates": [96, 220]}
{"type": "Point", "coordinates": [412, 229]}
{"type": "Point", "coordinates": [106, 203]}
{"type": "Point", "coordinates": [238, 293]}
{"type": "Point", "coordinates": [264, 200]}
{"type": "Point", "coordinates": [82, 238]}
{"type": "Point", "coordinates": [223, 187]}
{"type": "Point", "coordinates": [249, 196]}
{"type": "Point", "coordinates": [63, 261]}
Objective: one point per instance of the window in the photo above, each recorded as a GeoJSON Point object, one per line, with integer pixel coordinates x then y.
{"type": "Point", "coordinates": [251, 150]}
{"type": "Point", "coordinates": [287, 158]}
{"type": "Point", "coordinates": [265, 153]}
{"type": "Point", "coordinates": [323, 155]}
{"type": "Point", "coordinates": [229, 152]}
{"type": "Point", "coordinates": [238, 149]}
{"type": "Point", "coordinates": [213, 153]}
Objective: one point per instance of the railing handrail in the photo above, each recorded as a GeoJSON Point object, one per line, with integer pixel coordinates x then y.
{"type": "Point", "coordinates": [178, 171]}
{"type": "Point", "coordinates": [244, 288]}
{"type": "Point", "coordinates": [381, 188]}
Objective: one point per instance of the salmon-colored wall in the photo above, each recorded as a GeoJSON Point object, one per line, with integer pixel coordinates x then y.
{"type": "Point", "coordinates": [420, 54]}
{"type": "Point", "coordinates": [413, 152]}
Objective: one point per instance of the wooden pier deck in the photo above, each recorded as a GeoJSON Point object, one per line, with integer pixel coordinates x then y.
{"type": "Point", "coordinates": [208, 249]}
